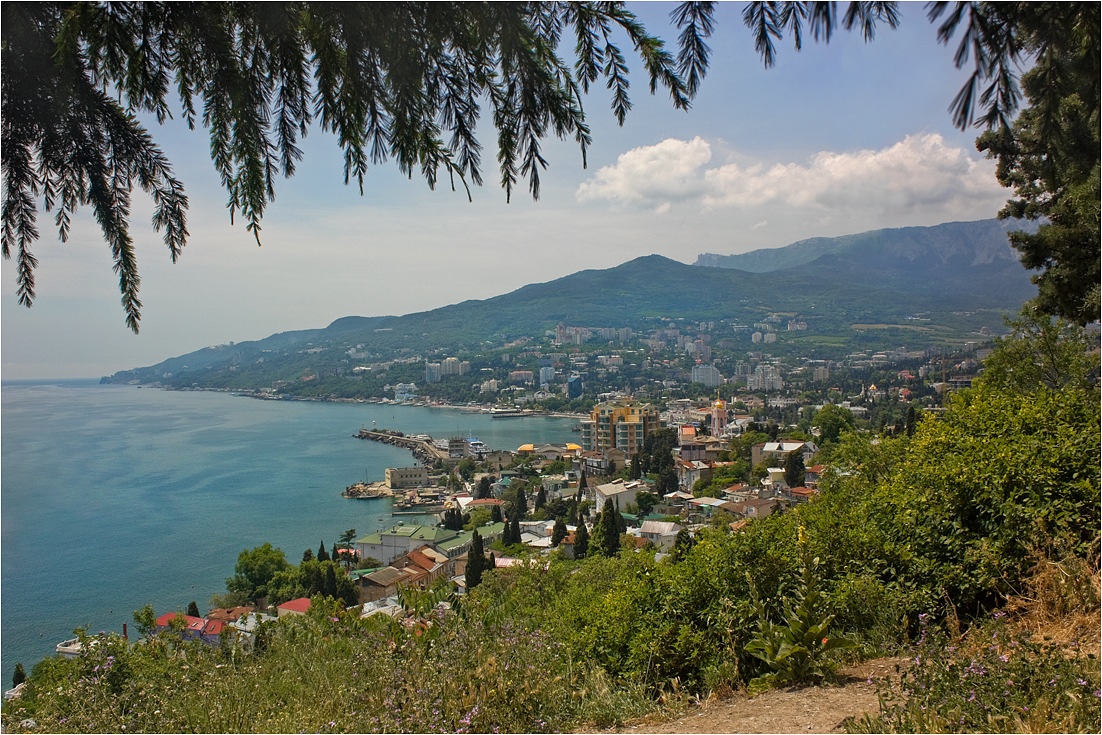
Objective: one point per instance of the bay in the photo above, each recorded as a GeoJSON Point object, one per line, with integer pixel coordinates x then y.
{"type": "Point", "coordinates": [112, 497]}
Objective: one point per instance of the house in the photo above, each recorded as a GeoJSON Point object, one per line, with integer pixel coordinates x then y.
{"type": "Point", "coordinates": [389, 544]}
{"type": "Point", "coordinates": [597, 463]}
{"type": "Point", "coordinates": [555, 486]}
{"type": "Point", "coordinates": [662, 534]}
{"type": "Point", "coordinates": [297, 606]}
{"type": "Point", "coordinates": [801, 494]}
{"type": "Point", "coordinates": [192, 628]}
{"type": "Point", "coordinates": [230, 614]}
{"type": "Point", "coordinates": [813, 474]}
{"type": "Point", "coordinates": [622, 492]}
{"type": "Point", "coordinates": [775, 452]}
{"type": "Point", "coordinates": [245, 627]}
{"type": "Point", "coordinates": [423, 566]}
{"type": "Point", "coordinates": [738, 491]}
{"type": "Point", "coordinates": [754, 508]}
{"type": "Point", "coordinates": [708, 506]}
{"type": "Point", "coordinates": [690, 471]}
{"type": "Point", "coordinates": [377, 584]}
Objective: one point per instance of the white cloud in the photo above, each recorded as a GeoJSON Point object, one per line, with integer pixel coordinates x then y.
{"type": "Point", "coordinates": [919, 175]}
{"type": "Point", "coordinates": [654, 176]}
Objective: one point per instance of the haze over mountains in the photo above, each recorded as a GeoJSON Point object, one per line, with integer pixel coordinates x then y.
{"type": "Point", "coordinates": [945, 273]}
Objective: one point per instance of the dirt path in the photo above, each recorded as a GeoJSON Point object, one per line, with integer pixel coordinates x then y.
{"type": "Point", "coordinates": [810, 709]}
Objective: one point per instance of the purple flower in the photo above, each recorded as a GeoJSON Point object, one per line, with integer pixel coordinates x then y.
{"type": "Point", "coordinates": [972, 696]}
{"type": "Point", "coordinates": [1081, 682]}
{"type": "Point", "coordinates": [1004, 658]}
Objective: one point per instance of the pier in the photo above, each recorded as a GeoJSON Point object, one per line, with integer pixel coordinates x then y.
{"type": "Point", "coordinates": [424, 452]}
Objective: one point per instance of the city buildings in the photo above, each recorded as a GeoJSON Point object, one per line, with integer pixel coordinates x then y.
{"type": "Point", "coordinates": [622, 425]}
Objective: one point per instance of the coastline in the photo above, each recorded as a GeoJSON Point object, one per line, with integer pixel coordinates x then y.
{"type": "Point", "coordinates": [265, 396]}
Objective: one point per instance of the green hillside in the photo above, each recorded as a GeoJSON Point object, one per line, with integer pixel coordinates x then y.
{"type": "Point", "coordinates": [946, 274]}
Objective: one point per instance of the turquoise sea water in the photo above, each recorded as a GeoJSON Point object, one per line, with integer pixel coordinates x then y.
{"type": "Point", "coordinates": [112, 497]}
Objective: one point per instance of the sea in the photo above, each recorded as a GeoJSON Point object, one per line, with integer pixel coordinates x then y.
{"type": "Point", "coordinates": [113, 497]}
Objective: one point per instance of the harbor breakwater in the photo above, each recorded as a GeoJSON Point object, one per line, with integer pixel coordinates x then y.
{"type": "Point", "coordinates": [424, 451]}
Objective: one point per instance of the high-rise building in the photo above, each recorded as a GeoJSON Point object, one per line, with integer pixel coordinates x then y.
{"type": "Point", "coordinates": [574, 386]}
{"type": "Point", "coordinates": [708, 375]}
{"type": "Point", "coordinates": [622, 425]}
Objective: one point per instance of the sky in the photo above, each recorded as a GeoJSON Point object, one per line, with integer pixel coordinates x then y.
{"type": "Point", "coordinates": [834, 139]}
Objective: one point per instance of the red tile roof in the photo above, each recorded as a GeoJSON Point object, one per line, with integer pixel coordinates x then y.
{"type": "Point", "coordinates": [300, 605]}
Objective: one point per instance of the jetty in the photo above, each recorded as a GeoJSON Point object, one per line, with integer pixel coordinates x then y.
{"type": "Point", "coordinates": [424, 451]}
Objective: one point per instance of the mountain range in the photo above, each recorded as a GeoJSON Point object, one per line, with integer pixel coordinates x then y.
{"type": "Point", "coordinates": [943, 273]}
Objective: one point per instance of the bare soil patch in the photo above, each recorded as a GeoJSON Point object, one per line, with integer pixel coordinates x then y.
{"type": "Point", "coordinates": [817, 709]}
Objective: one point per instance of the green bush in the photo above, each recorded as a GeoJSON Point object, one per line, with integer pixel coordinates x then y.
{"type": "Point", "coordinates": [996, 683]}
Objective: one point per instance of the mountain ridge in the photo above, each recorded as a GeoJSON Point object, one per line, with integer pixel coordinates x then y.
{"type": "Point", "coordinates": [879, 277]}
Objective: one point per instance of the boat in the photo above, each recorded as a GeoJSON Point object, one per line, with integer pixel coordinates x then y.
{"type": "Point", "coordinates": [506, 413]}
{"type": "Point", "coordinates": [71, 648]}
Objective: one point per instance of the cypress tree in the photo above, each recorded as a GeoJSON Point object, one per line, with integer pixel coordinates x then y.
{"type": "Point", "coordinates": [495, 514]}
{"type": "Point", "coordinates": [323, 555]}
{"type": "Point", "coordinates": [558, 533]}
{"type": "Point", "coordinates": [476, 562]}
{"type": "Point", "coordinates": [19, 676]}
{"type": "Point", "coordinates": [581, 541]}
{"type": "Point", "coordinates": [308, 555]}
{"type": "Point", "coordinates": [330, 580]}
{"type": "Point", "coordinates": [794, 469]}
{"type": "Point", "coordinates": [541, 498]}
{"type": "Point", "coordinates": [610, 531]}
{"type": "Point", "coordinates": [193, 610]}
{"type": "Point", "coordinates": [514, 530]}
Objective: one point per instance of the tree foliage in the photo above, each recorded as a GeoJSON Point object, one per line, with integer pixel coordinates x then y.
{"type": "Point", "coordinates": [832, 421]}
{"type": "Point", "coordinates": [1043, 352]}
{"type": "Point", "coordinates": [476, 561]}
{"type": "Point", "coordinates": [1050, 156]}
{"type": "Point", "coordinates": [255, 569]}
{"type": "Point", "coordinates": [401, 82]}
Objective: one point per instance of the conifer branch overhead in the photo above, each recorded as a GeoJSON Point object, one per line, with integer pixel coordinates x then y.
{"type": "Point", "coordinates": [393, 81]}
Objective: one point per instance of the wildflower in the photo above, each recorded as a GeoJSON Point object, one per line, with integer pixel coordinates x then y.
{"type": "Point", "coordinates": [824, 641]}
{"type": "Point", "coordinates": [1004, 658]}
{"type": "Point", "coordinates": [1081, 682]}
{"type": "Point", "coordinates": [972, 696]}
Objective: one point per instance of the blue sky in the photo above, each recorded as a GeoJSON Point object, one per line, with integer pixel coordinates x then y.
{"type": "Point", "coordinates": [834, 139]}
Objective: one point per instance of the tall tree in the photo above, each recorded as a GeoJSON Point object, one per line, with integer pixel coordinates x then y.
{"type": "Point", "coordinates": [1050, 156]}
{"type": "Point", "coordinates": [558, 532]}
{"type": "Point", "coordinates": [541, 498]}
{"type": "Point", "coordinates": [193, 609]}
{"type": "Point", "coordinates": [322, 554]}
{"type": "Point", "coordinates": [581, 541]}
{"type": "Point", "coordinates": [476, 561]}
{"type": "Point", "coordinates": [401, 81]}
{"type": "Point", "coordinates": [514, 528]}
{"type": "Point", "coordinates": [794, 468]}
{"type": "Point", "coordinates": [330, 588]}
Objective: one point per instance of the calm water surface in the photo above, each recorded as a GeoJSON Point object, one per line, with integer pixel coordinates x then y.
{"type": "Point", "coordinates": [117, 496]}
